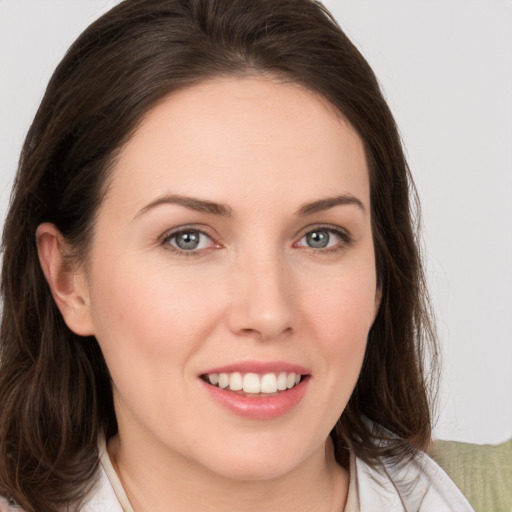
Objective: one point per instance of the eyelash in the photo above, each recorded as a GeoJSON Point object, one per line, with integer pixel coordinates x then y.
{"type": "Point", "coordinates": [345, 240]}
{"type": "Point", "coordinates": [166, 239]}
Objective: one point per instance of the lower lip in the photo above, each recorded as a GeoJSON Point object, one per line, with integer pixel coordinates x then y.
{"type": "Point", "coordinates": [259, 407]}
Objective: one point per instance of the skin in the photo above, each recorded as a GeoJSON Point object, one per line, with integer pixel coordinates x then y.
{"type": "Point", "coordinates": [253, 290]}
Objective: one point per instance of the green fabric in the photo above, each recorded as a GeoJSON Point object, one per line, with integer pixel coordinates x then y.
{"type": "Point", "coordinates": [483, 473]}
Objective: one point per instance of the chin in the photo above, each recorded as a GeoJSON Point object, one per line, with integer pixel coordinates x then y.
{"type": "Point", "coordinates": [249, 470]}
{"type": "Point", "coordinates": [263, 462]}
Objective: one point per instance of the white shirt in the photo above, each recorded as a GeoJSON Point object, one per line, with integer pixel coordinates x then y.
{"type": "Point", "coordinates": [419, 486]}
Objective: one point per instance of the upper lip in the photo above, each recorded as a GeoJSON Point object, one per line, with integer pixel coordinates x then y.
{"type": "Point", "coordinates": [260, 367]}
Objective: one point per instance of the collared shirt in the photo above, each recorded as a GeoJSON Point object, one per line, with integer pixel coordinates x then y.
{"type": "Point", "coordinates": [419, 486]}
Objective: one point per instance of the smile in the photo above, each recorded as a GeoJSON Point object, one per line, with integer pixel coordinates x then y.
{"type": "Point", "coordinates": [257, 390]}
{"type": "Point", "coordinates": [254, 383]}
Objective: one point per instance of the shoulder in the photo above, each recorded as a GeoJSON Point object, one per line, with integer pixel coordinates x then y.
{"type": "Point", "coordinates": [101, 498]}
{"type": "Point", "coordinates": [419, 485]}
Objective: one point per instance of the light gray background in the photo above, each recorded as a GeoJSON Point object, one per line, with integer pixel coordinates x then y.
{"type": "Point", "coordinates": [446, 69]}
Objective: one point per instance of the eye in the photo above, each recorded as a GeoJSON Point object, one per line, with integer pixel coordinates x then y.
{"type": "Point", "coordinates": [324, 238]}
{"type": "Point", "coordinates": [188, 240]}
{"type": "Point", "coordinates": [318, 239]}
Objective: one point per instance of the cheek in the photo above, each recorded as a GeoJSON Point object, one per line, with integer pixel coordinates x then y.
{"type": "Point", "coordinates": [147, 324]}
{"type": "Point", "coordinates": [148, 330]}
{"type": "Point", "coordinates": [341, 316]}
{"type": "Point", "coordinates": [344, 307]}
{"type": "Point", "coordinates": [149, 305]}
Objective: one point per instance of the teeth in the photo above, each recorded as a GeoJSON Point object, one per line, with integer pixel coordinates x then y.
{"type": "Point", "coordinates": [269, 383]}
{"type": "Point", "coordinates": [251, 383]}
{"type": "Point", "coordinates": [282, 379]}
{"type": "Point", "coordinates": [235, 382]}
{"type": "Point", "coordinates": [223, 380]}
{"type": "Point", "coordinates": [254, 383]}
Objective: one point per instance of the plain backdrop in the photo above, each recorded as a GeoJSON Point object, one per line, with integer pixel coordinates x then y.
{"type": "Point", "coordinates": [446, 69]}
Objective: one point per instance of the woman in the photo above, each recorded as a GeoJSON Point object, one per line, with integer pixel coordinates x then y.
{"type": "Point", "coordinates": [213, 296]}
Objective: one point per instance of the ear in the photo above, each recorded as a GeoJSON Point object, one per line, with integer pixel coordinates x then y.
{"type": "Point", "coordinates": [68, 284]}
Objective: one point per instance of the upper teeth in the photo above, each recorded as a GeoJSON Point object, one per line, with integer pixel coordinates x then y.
{"type": "Point", "coordinates": [254, 383]}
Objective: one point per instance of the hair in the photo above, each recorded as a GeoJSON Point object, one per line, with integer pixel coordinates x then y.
{"type": "Point", "coordinates": [55, 388]}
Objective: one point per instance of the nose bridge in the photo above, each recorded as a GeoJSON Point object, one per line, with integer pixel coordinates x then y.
{"type": "Point", "coordinates": [262, 300]}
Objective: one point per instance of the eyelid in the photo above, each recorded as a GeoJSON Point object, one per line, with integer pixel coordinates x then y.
{"type": "Point", "coordinates": [171, 233]}
{"type": "Point", "coordinates": [328, 227]}
{"type": "Point", "coordinates": [344, 234]}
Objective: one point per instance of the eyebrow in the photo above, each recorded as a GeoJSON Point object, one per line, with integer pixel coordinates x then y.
{"type": "Point", "coordinates": [329, 202]}
{"type": "Point", "coordinates": [192, 203]}
{"type": "Point", "coordinates": [222, 210]}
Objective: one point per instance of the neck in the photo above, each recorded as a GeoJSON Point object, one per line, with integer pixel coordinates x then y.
{"type": "Point", "coordinates": [154, 478]}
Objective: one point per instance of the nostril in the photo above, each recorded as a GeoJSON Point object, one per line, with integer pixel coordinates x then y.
{"type": "Point", "coordinates": [266, 333]}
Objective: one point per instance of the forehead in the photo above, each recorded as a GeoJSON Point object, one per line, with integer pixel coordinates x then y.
{"type": "Point", "coordinates": [233, 139]}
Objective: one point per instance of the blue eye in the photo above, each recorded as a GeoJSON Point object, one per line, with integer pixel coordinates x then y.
{"type": "Point", "coordinates": [318, 239]}
{"type": "Point", "coordinates": [189, 240]}
{"type": "Point", "coordinates": [324, 238]}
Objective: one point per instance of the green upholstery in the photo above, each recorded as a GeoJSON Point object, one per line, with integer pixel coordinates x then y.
{"type": "Point", "coordinates": [482, 472]}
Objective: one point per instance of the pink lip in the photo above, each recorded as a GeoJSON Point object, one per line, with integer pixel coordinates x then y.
{"type": "Point", "coordinates": [261, 407]}
{"type": "Point", "coordinates": [259, 367]}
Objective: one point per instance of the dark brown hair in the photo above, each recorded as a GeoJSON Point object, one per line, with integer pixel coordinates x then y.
{"type": "Point", "coordinates": [55, 390]}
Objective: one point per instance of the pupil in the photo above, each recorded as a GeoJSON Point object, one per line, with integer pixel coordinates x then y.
{"type": "Point", "coordinates": [188, 240]}
{"type": "Point", "coordinates": [318, 239]}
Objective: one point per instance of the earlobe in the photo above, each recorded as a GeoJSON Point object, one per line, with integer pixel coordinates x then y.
{"type": "Point", "coordinates": [67, 284]}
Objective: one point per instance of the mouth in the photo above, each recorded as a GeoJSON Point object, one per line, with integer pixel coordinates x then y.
{"type": "Point", "coordinates": [257, 390]}
{"type": "Point", "coordinates": [254, 384]}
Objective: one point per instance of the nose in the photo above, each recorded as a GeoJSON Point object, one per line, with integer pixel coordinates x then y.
{"type": "Point", "coordinates": [262, 299]}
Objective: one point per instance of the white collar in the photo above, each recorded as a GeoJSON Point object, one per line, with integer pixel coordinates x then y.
{"type": "Point", "coordinates": [108, 494]}
{"type": "Point", "coordinates": [419, 486]}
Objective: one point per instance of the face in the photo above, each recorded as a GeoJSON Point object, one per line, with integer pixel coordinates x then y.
{"type": "Point", "coordinates": [234, 250]}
